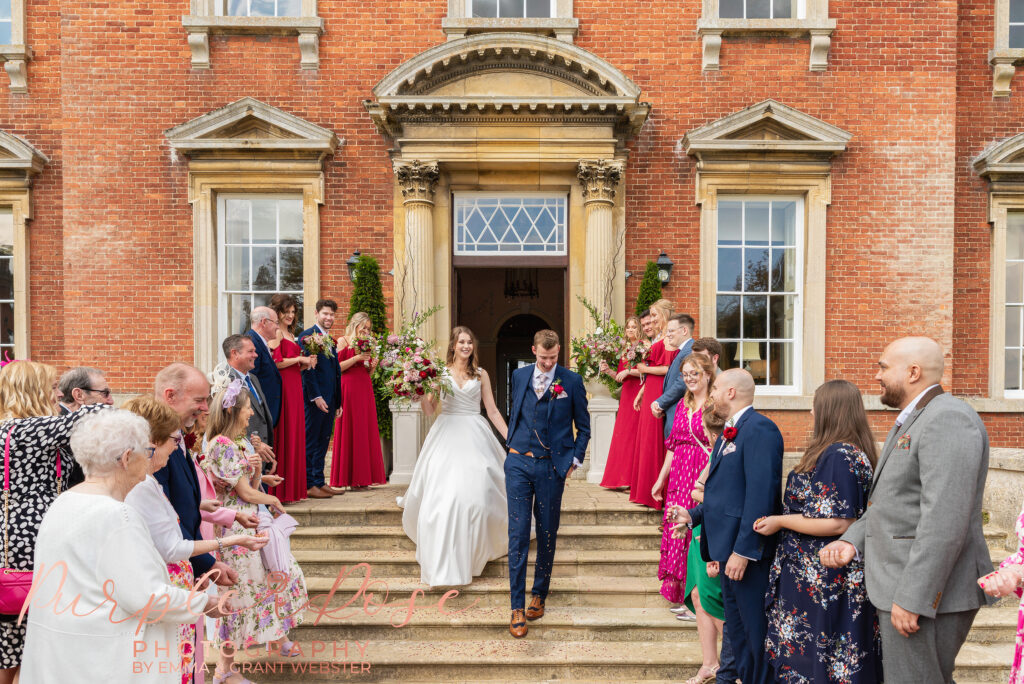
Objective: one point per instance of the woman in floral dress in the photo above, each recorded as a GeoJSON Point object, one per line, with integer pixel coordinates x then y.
{"type": "Point", "coordinates": [1005, 581]}
{"type": "Point", "coordinates": [688, 451]}
{"type": "Point", "coordinates": [821, 626]}
{"type": "Point", "coordinates": [257, 619]}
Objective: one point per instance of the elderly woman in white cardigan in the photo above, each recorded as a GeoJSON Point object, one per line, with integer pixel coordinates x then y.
{"type": "Point", "coordinates": [126, 622]}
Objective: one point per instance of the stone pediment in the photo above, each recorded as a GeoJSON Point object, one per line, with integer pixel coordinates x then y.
{"type": "Point", "coordinates": [1004, 158]}
{"type": "Point", "coordinates": [506, 78]}
{"type": "Point", "coordinates": [249, 124]}
{"type": "Point", "coordinates": [768, 126]}
{"type": "Point", "coordinates": [19, 157]}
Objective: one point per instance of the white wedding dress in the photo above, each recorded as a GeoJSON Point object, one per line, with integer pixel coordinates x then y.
{"type": "Point", "coordinates": [456, 508]}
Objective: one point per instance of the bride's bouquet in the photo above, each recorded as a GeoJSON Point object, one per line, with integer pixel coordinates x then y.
{"type": "Point", "coordinates": [409, 366]}
{"type": "Point", "coordinates": [604, 344]}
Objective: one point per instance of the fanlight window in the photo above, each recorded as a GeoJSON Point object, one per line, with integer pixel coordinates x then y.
{"type": "Point", "coordinates": [510, 224]}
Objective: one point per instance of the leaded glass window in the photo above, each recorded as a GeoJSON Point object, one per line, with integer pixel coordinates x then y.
{"type": "Point", "coordinates": [509, 224]}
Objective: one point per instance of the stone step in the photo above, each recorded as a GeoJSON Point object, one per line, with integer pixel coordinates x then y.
{"type": "Point", "coordinates": [389, 537]}
{"type": "Point", "coordinates": [996, 624]}
{"type": "Point", "coordinates": [358, 588]}
{"type": "Point", "coordinates": [560, 623]}
{"type": "Point", "coordinates": [402, 563]}
{"type": "Point", "coordinates": [531, 659]}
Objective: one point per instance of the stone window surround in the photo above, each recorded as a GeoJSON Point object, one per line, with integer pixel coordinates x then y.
{"type": "Point", "coordinates": [204, 21]}
{"type": "Point", "coordinates": [816, 25]}
{"type": "Point", "coordinates": [1002, 57]}
{"type": "Point", "coordinates": [459, 24]}
{"type": "Point", "coordinates": [16, 56]}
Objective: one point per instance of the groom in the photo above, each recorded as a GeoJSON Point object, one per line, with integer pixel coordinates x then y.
{"type": "Point", "coordinates": [547, 400]}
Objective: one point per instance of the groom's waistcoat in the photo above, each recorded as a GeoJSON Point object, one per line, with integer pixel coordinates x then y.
{"type": "Point", "coordinates": [532, 427]}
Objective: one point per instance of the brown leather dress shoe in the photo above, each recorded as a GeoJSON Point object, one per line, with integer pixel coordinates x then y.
{"type": "Point", "coordinates": [536, 609]}
{"type": "Point", "coordinates": [333, 491]}
{"type": "Point", "coordinates": [317, 493]}
{"type": "Point", "coordinates": [517, 627]}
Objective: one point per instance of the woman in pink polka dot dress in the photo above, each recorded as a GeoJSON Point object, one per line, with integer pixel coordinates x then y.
{"type": "Point", "coordinates": [688, 449]}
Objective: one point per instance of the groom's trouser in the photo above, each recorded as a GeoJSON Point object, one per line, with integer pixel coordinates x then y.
{"type": "Point", "coordinates": [747, 622]}
{"type": "Point", "coordinates": [534, 487]}
{"type": "Point", "coordinates": [318, 435]}
{"type": "Point", "coordinates": [928, 656]}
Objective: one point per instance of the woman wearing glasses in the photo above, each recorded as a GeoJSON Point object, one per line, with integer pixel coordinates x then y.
{"type": "Point", "coordinates": [149, 500]}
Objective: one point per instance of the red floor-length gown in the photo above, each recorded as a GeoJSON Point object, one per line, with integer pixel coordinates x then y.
{"type": "Point", "coordinates": [650, 437]}
{"type": "Point", "coordinates": [290, 431]}
{"type": "Point", "coordinates": [356, 458]}
{"type": "Point", "coordinates": [618, 471]}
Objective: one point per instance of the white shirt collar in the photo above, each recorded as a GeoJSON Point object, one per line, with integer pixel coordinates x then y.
{"type": "Point", "coordinates": [265, 343]}
{"type": "Point", "coordinates": [905, 413]}
{"type": "Point", "coordinates": [735, 418]}
{"type": "Point", "coordinates": [317, 326]}
{"type": "Point", "coordinates": [537, 372]}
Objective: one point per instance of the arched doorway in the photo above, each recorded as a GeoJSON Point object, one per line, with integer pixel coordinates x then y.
{"type": "Point", "coordinates": [514, 350]}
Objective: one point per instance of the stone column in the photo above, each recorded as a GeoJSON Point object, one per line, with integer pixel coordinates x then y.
{"type": "Point", "coordinates": [599, 179]}
{"type": "Point", "coordinates": [418, 180]}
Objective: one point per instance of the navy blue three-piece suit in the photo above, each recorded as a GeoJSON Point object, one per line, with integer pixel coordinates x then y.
{"type": "Point", "coordinates": [543, 427]}
{"type": "Point", "coordinates": [744, 483]}
{"type": "Point", "coordinates": [323, 381]}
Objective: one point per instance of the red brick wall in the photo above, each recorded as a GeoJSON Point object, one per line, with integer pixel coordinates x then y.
{"type": "Point", "coordinates": [111, 259]}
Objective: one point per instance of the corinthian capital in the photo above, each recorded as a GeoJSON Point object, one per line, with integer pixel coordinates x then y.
{"type": "Point", "coordinates": [599, 179]}
{"type": "Point", "coordinates": [418, 180]}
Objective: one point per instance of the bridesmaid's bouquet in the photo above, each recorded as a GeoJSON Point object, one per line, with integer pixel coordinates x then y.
{"type": "Point", "coordinates": [366, 345]}
{"type": "Point", "coordinates": [409, 365]}
{"type": "Point", "coordinates": [635, 354]}
{"type": "Point", "coordinates": [318, 343]}
{"type": "Point", "coordinates": [604, 344]}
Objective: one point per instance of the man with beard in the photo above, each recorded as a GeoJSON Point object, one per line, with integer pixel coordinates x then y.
{"type": "Point", "coordinates": [744, 484]}
{"type": "Point", "coordinates": [321, 387]}
{"type": "Point", "coordinates": [921, 537]}
{"type": "Point", "coordinates": [647, 324]}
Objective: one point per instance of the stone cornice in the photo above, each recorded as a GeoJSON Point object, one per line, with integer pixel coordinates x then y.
{"type": "Point", "coordinates": [19, 158]}
{"type": "Point", "coordinates": [1002, 160]}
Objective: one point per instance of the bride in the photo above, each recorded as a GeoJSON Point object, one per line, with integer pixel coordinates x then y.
{"type": "Point", "coordinates": [455, 509]}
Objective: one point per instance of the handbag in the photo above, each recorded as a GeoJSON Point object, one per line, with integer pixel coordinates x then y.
{"type": "Point", "coordinates": [14, 584]}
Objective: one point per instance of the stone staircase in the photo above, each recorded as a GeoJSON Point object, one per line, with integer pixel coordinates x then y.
{"type": "Point", "coordinates": [605, 620]}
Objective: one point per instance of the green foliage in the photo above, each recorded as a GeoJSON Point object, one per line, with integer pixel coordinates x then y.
{"type": "Point", "coordinates": [368, 296]}
{"type": "Point", "coordinates": [604, 344]}
{"type": "Point", "coordinates": [650, 288]}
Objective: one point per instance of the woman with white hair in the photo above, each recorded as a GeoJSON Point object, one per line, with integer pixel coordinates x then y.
{"type": "Point", "coordinates": [95, 554]}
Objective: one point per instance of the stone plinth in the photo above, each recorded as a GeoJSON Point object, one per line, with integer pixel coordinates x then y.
{"type": "Point", "coordinates": [408, 432]}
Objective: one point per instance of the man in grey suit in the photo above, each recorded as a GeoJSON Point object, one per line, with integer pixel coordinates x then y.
{"type": "Point", "coordinates": [240, 352]}
{"type": "Point", "coordinates": [678, 333]}
{"type": "Point", "coordinates": [921, 536]}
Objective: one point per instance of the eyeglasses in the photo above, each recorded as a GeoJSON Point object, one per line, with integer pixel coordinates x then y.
{"type": "Point", "coordinates": [149, 451]}
{"type": "Point", "coordinates": [105, 393]}
{"type": "Point", "coordinates": [178, 438]}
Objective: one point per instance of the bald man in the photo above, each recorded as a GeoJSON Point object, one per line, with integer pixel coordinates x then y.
{"type": "Point", "coordinates": [744, 483]}
{"type": "Point", "coordinates": [921, 537]}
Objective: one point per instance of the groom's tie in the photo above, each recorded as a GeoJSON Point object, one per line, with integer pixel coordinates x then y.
{"type": "Point", "coordinates": [539, 382]}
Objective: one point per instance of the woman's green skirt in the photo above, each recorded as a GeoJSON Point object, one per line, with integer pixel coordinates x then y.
{"type": "Point", "coordinates": [709, 588]}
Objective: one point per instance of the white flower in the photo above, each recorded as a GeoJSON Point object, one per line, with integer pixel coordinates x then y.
{"type": "Point", "coordinates": [598, 331]}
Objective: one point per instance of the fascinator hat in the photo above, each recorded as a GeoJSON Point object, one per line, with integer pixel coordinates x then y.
{"type": "Point", "coordinates": [231, 393]}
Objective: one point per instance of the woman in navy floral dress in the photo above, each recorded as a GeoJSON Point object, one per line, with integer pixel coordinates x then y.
{"type": "Point", "coordinates": [821, 626]}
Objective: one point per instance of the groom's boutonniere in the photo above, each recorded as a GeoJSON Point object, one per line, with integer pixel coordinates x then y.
{"type": "Point", "coordinates": [557, 390]}
{"type": "Point", "coordinates": [729, 433]}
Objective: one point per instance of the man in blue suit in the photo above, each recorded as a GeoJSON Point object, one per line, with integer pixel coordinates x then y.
{"type": "Point", "coordinates": [743, 485]}
{"type": "Point", "coordinates": [547, 401]}
{"type": "Point", "coordinates": [264, 329]}
{"type": "Point", "coordinates": [678, 333]}
{"type": "Point", "coordinates": [321, 389]}
{"type": "Point", "coordinates": [184, 388]}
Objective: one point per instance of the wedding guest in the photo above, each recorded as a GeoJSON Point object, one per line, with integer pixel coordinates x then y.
{"type": "Point", "coordinates": [39, 467]}
{"type": "Point", "coordinates": [679, 333]}
{"type": "Point", "coordinates": [321, 391]}
{"type": "Point", "coordinates": [149, 500]}
{"type": "Point", "coordinates": [82, 386]}
{"type": "Point", "coordinates": [819, 620]}
{"type": "Point", "coordinates": [743, 485]}
{"type": "Point", "coordinates": [710, 348]}
{"type": "Point", "coordinates": [921, 537]}
{"type": "Point", "coordinates": [647, 325]}
{"type": "Point", "coordinates": [650, 438]}
{"type": "Point", "coordinates": [618, 470]}
{"type": "Point", "coordinates": [1005, 581]}
{"type": "Point", "coordinates": [185, 389]}
{"type": "Point", "coordinates": [688, 450]}
{"type": "Point", "coordinates": [357, 461]}
{"type": "Point", "coordinates": [266, 607]}
{"type": "Point", "coordinates": [264, 329]}
{"type": "Point", "coordinates": [290, 433]}
{"type": "Point", "coordinates": [241, 354]}
{"type": "Point", "coordinates": [99, 544]}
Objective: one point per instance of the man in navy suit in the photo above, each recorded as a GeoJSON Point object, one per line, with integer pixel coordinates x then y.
{"type": "Point", "coordinates": [547, 401]}
{"type": "Point", "coordinates": [185, 389]}
{"type": "Point", "coordinates": [321, 389]}
{"type": "Point", "coordinates": [743, 485]}
{"type": "Point", "coordinates": [678, 333]}
{"type": "Point", "coordinates": [264, 329]}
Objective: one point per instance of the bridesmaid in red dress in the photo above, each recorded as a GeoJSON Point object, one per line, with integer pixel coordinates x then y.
{"type": "Point", "coordinates": [650, 437]}
{"type": "Point", "coordinates": [357, 460]}
{"type": "Point", "coordinates": [618, 471]}
{"type": "Point", "coordinates": [290, 431]}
